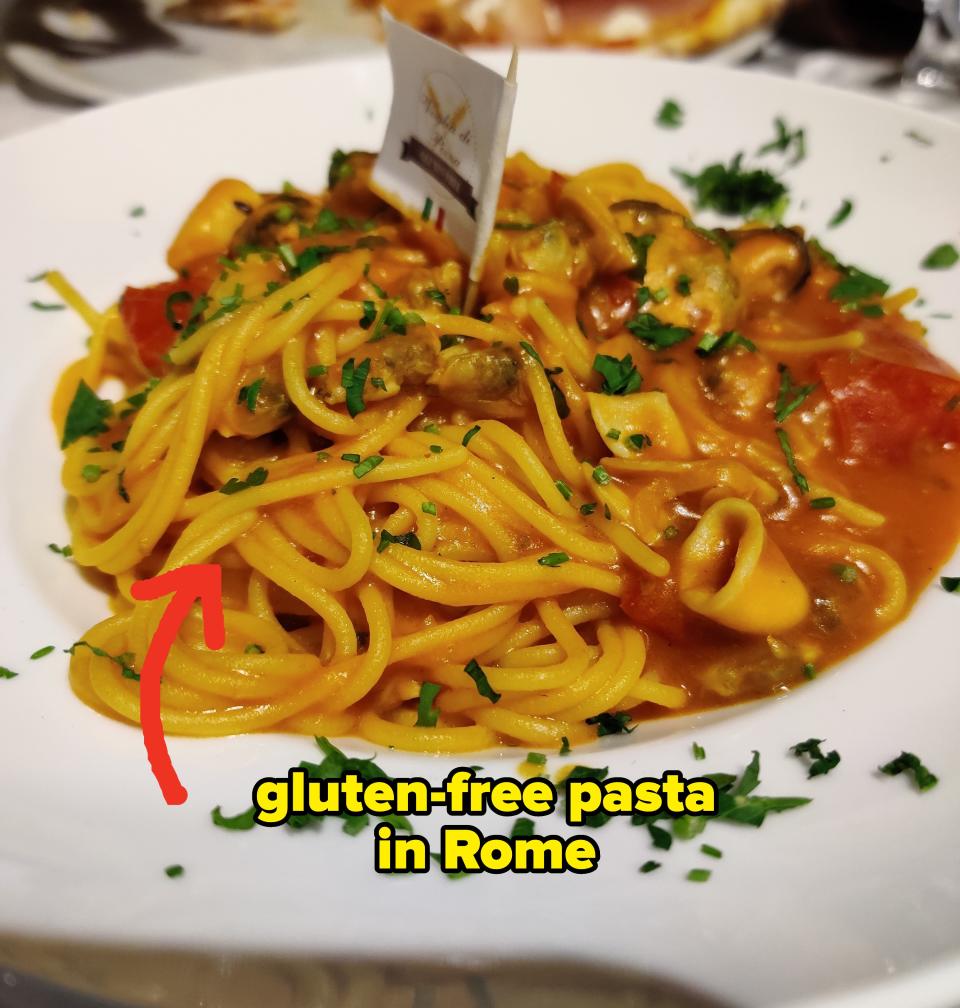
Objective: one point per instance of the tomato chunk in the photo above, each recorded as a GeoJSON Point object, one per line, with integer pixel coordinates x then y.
{"type": "Point", "coordinates": [149, 314]}
{"type": "Point", "coordinates": [890, 396]}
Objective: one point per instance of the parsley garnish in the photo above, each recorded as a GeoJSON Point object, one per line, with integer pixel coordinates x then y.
{"type": "Point", "coordinates": [820, 763]}
{"type": "Point", "coordinates": [511, 285]}
{"type": "Point", "coordinates": [699, 875]}
{"type": "Point", "coordinates": [427, 714]}
{"type": "Point", "coordinates": [790, 396]}
{"type": "Point", "coordinates": [252, 479]}
{"type": "Point", "coordinates": [241, 821]}
{"type": "Point", "coordinates": [787, 449]}
{"type": "Point", "coordinates": [950, 584]}
{"type": "Point", "coordinates": [823, 503]}
{"type": "Point", "coordinates": [317, 370]}
{"type": "Point", "coordinates": [699, 752]}
{"type": "Point", "coordinates": [91, 473]}
{"type": "Point", "coordinates": [611, 724]}
{"type": "Point", "coordinates": [476, 673]}
{"type": "Point", "coordinates": [369, 315]}
{"type": "Point", "coordinates": [564, 745]}
{"type": "Point", "coordinates": [639, 245]}
{"type": "Point", "coordinates": [670, 115]}
{"type": "Point", "coordinates": [731, 190]}
{"type": "Point", "coordinates": [42, 652]}
{"type": "Point", "coordinates": [428, 507]}
{"type": "Point", "coordinates": [64, 551]}
{"type": "Point", "coordinates": [908, 761]}
{"type": "Point", "coordinates": [711, 851]}
{"type": "Point", "coordinates": [353, 378]}
{"type": "Point", "coordinates": [588, 509]}
{"type": "Point", "coordinates": [649, 866]}
{"type": "Point", "coordinates": [841, 214]}
{"type": "Point", "coordinates": [173, 871]}
{"type": "Point", "coordinates": [249, 394]}
{"type": "Point", "coordinates": [537, 759]}
{"type": "Point", "coordinates": [655, 334]}
{"type": "Point", "coordinates": [637, 442]}
{"type": "Point", "coordinates": [253, 649]}
{"type": "Point", "coordinates": [470, 435]}
{"type": "Point", "coordinates": [942, 257]}
{"type": "Point", "coordinates": [367, 466]}
{"type": "Point", "coordinates": [710, 343]}
{"type": "Point", "coordinates": [177, 297]}
{"type": "Point", "coordinates": [6, 673]}
{"type": "Point", "coordinates": [600, 476]}
{"type": "Point", "coordinates": [662, 840]}
{"type": "Point", "coordinates": [340, 168]}
{"type": "Point", "coordinates": [522, 828]}
{"type": "Point", "coordinates": [408, 539]}
{"type": "Point", "coordinates": [86, 415]}
{"type": "Point", "coordinates": [44, 306]}
{"type": "Point", "coordinates": [620, 377]}
{"type": "Point", "coordinates": [595, 819]}
{"type": "Point", "coordinates": [438, 298]}
{"type": "Point", "coordinates": [847, 573]}
{"type": "Point", "coordinates": [784, 140]}
{"type": "Point", "coordinates": [683, 285]}
{"type": "Point", "coordinates": [553, 560]}
{"type": "Point", "coordinates": [565, 492]}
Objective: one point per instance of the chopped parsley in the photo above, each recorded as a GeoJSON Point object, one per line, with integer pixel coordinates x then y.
{"type": "Point", "coordinates": [317, 370]}
{"type": "Point", "coordinates": [340, 168]}
{"type": "Point", "coordinates": [470, 435]}
{"type": "Point", "coordinates": [43, 652]}
{"type": "Point", "coordinates": [595, 819]}
{"type": "Point", "coordinates": [638, 442]}
{"type": "Point", "coordinates": [565, 492]}
{"type": "Point", "coordinates": [6, 673]}
{"type": "Point", "coordinates": [249, 393]}
{"type": "Point", "coordinates": [699, 875]}
{"type": "Point", "coordinates": [564, 745]}
{"type": "Point", "coordinates": [611, 724]}
{"type": "Point", "coordinates": [711, 851]}
{"type": "Point", "coordinates": [620, 377]}
{"type": "Point", "coordinates": [649, 866]}
{"type": "Point", "coordinates": [613, 434]}
{"type": "Point", "coordinates": [784, 140]}
{"type": "Point", "coordinates": [588, 509]}
{"type": "Point", "coordinates": [732, 190]}
{"type": "Point", "coordinates": [823, 503]}
{"type": "Point", "coordinates": [950, 584]}
{"type": "Point", "coordinates": [511, 285]}
{"type": "Point", "coordinates": [699, 752]}
{"type": "Point", "coordinates": [361, 469]}
{"type": "Point", "coordinates": [660, 837]}
{"type": "Point", "coordinates": [479, 677]}
{"type": "Point", "coordinates": [438, 298]}
{"type": "Point", "coordinates": [64, 551]}
{"type": "Point", "coordinates": [408, 539]}
{"type": "Point", "coordinates": [553, 560]}
{"type": "Point", "coordinates": [942, 257]}
{"type": "Point", "coordinates": [253, 479]}
{"type": "Point", "coordinates": [45, 306]}
{"type": "Point", "coordinates": [847, 573]}
{"type": "Point", "coordinates": [907, 761]}
{"type": "Point", "coordinates": [639, 245]}
{"type": "Point", "coordinates": [670, 115]}
{"type": "Point", "coordinates": [177, 297]}
{"type": "Point", "coordinates": [820, 763]}
{"type": "Point", "coordinates": [809, 670]}
{"type": "Point", "coordinates": [91, 473]}
{"type": "Point", "coordinates": [86, 416]}
{"type": "Point", "coordinates": [536, 759]}
{"type": "Point", "coordinates": [600, 476]}
{"type": "Point", "coordinates": [369, 315]}
{"type": "Point", "coordinates": [655, 334]}
{"type": "Point", "coordinates": [841, 214]}
{"type": "Point", "coordinates": [683, 285]}
{"type": "Point", "coordinates": [253, 649]}
{"type": "Point", "coordinates": [710, 343]}
{"type": "Point", "coordinates": [429, 508]}
{"type": "Point", "coordinates": [802, 485]}
{"type": "Point", "coordinates": [790, 396]}
{"type": "Point", "coordinates": [241, 821]}
{"type": "Point", "coordinates": [353, 378]}
{"type": "Point", "coordinates": [427, 714]}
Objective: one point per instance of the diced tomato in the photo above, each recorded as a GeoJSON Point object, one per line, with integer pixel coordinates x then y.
{"type": "Point", "coordinates": [144, 311]}
{"type": "Point", "coordinates": [891, 395]}
{"type": "Point", "coordinates": [654, 605]}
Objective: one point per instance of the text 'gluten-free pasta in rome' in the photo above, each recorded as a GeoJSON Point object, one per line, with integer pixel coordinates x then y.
{"type": "Point", "coordinates": [659, 468]}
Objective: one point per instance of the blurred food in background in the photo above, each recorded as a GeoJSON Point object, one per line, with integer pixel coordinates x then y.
{"type": "Point", "coordinates": [254, 15]}
{"type": "Point", "coordinates": [677, 27]}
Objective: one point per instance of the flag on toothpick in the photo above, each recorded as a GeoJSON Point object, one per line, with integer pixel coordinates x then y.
{"type": "Point", "coordinates": [442, 156]}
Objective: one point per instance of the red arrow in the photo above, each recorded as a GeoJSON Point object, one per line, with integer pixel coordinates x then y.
{"type": "Point", "coordinates": [186, 584]}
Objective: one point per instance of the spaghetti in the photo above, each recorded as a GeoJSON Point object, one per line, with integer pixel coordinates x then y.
{"type": "Point", "coordinates": [654, 474]}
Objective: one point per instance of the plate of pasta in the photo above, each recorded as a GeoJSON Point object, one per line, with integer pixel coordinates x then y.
{"type": "Point", "coordinates": [680, 490]}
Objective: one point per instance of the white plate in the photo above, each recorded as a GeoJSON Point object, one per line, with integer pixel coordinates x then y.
{"type": "Point", "coordinates": [861, 888]}
{"type": "Point", "coordinates": [327, 28]}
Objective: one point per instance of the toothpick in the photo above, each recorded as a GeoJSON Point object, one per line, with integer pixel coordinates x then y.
{"type": "Point", "coordinates": [476, 270]}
